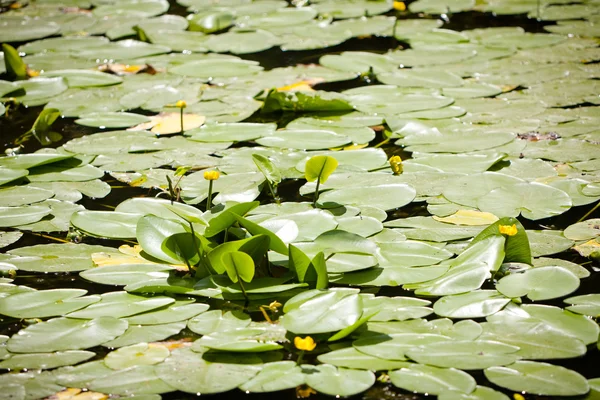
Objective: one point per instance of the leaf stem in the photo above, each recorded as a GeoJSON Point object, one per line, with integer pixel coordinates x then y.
{"type": "Point", "coordinates": [208, 199]}
{"type": "Point", "coordinates": [181, 119]}
{"type": "Point", "coordinates": [300, 357]}
{"type": "Point", "coordinates": [316, 196]}
{"type": "Point", "coordinates": [590, 212]}
{"type": "Point", "coordinates": [242, 285]}
{"type": "Point", "coordinates": [50, 237]}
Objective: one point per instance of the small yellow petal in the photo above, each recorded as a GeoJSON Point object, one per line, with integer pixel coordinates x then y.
{"type": "Point", "coordinates": [303, 392]}
{"type": "Point", "coordinates": [396, 165]}
{"type": "Point", "coordinates": [307, 344]}
{"type": "Point", "coordinates": [274, 305]}
{"type": "Point", "coordinates": [509, 230]}
{"type": "Point", "coordinates": [399, 6]}
{"type": "Point", "coordinates": [181, 104]}
{"type": "Point", "coordinates": [211, 175]}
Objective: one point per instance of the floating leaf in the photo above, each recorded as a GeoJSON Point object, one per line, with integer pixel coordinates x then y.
{"type": "Point", "coordinates": [432, 380]}
{"type": "Point", "coordinates": [45, 303]}
{"type": "Point", "coordinates": [341, 382]}
{"type": "Point", "coordinates": [66, 334]}
{"type": "Point", "coordinates": [538, 378]}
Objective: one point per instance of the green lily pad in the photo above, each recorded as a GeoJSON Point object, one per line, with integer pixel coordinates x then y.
{"type": "Point", "coordinates": [275, 376]}
{"type": "Point", "coordinates": [126, 274]}
{"type": "Point", "coordinates": [137, 354]}
{"type": "Point", "coordinates": [416, 78]}
{"type": "Point", "coordinates": [540, 343]}
{"type": "Point", "coordinates": [13, 216]}
{"type": "Point", "coordinates": [394, 346]}
{"type": "Point", "coordinates": [8, 238]}
{"type": "Point", "coordinates": [45, 303]}
{"type": "Point", "coordinates": [108, 224]}
{"type": "Point", "coordinates": [304, 139]}
{"type": "Point", "coordinates": [145, 333]}
{"type": "Point", "coordinates": [217, 321]}
{"type": "Point", "coordinates": [252, 339]}
{"type": "Point", "coordinates": [341, 382]}
{"type": "Point", "coordinates": [480, 393]}
{"type": "Point", "coordinates": [548, 242]}
{"type": "Point", "coordinates": [206, 69]}
{"type": "Point", "coordinates": [23, 30]}
{"type": "Point", "coordinates": [141, 379]}
{"type": "Point", "coordinates": [66, 334]}
{"type": "Point", "coordinates": [389, 197]}
{"type": "Point", "coordinates": [23, 195]}
{"type": "Point", "coordinates": [121, 304]}
{"type": "Point", "coordinates": [322, 311]}
{"type": "Point", "coordinates": [8, 175]}
{"type": "Point", "coordinates": [533, 200]}
{"type": "Point", "coordinates": [76, 78]}
{"type": "Point", "coordinates": [539, 283]}
{"type": "Point", "coordinates": [476, 304]}
{"type": "Point", "coordinates": [538, 378]}
{"type": "Point", "coordinates": [46, 360]}
{"type": "Point", "coordinates": [349, 357]}
{"type": "Point", "coordinates": [178, 311]}
{"type": "Point", "coordinates": [111, 120]}
{"type": "Point", "coordinates": [187, 371]}
{"type": "Point", "coordinates": [432, 380]}
{"type": "Point", "coordinates": [585, 230]}
{"type": "Point", "coordinates": [556, 318]}
{"type": "Point", "coordinates": [464, 355]}
{"type": "Point", "coordinates": [587, 304]}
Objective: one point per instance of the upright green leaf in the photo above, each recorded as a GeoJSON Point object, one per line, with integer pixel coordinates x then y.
{"type": "Point", "coordinates": [255, 247]}
{"type": "Point", "coordinates": [320, 167]}
{"type": "Point", "coordinates": [275, 243]}
{"type": "Point", "coordinates": [15, 67]}
{"type": "Point", "coordinates": [318, 263]}
{"type": "Point", "coordinates": [41, 127]}
{"type": "Point", "coordinates": [516, 246]}
{"type": "Point", "coordinates": [226, 218]}
{"type": "Point", "coordinates": [268, 169]}
{"type": "Point", "coordinates": [238, 265]}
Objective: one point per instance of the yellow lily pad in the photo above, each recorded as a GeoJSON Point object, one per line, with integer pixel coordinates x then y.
{"type": "Point", "coordinates": [166, 123]}
{"type": "Point", "coordinates": [468, 217]}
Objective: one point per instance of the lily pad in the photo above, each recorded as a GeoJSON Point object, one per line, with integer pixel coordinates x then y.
{"type": "Point", "coordinates": [45, 303]}
{"type": "Point", "coordinates": [66, 334]}
{"type": "Point", "coordinates": [538, 378]}
{"type": "Point", "coordinates": [426, 379]}
{"type": "Point", "coordinates": [539, 283]}
{"type": "Point", "coordinates": [338, 381]}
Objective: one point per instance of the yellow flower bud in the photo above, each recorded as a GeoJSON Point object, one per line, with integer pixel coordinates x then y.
{"type": "Point", "coordinates": [211, 175]}
{"type": "Point", "coordinates": [509, 230]}
{"type": "Point", "coordinates": [274, 305]}
{"type": "Point", "coordinates": [303, 392]}
{"type": "Point", "coordinates": [181, 104]}
{"type": "Point", "coordinates": [396, 164]}
{"type": "Point", "coordinates": [399, 6]}
{"type": "Point", "coordinates": [307, 343]}
{"type": "Point", "coordinates": [518, 396]}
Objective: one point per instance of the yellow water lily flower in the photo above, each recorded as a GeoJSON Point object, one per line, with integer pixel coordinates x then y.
{"type": "Point", "coordinates": [307, 344]}
{"type": "Point", "coordinates": [211, 175]}
{"type": "Point", "coordinates": [303, 392]}
{"type": "Point", "coordinates": [274, 306]}
{"type": "Point", "coordinates": [509, 230]}
{"type": "Point", "coordinates": [181, 104]}
{"type": "Point", "coordinates": [399, 6]}
{"type": "Point", "coordinates": [396, 164]}
{"type": "Point", "coordinates": [518, 396]}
